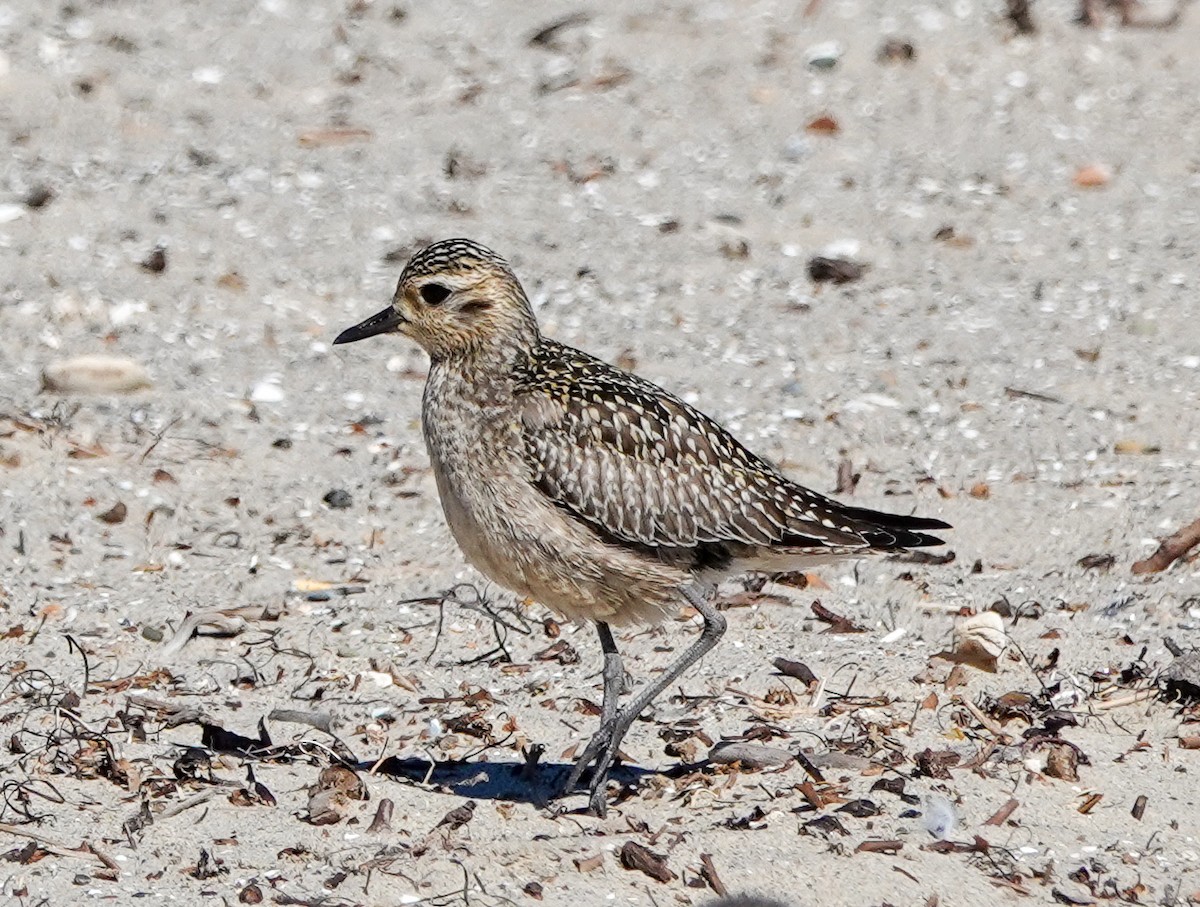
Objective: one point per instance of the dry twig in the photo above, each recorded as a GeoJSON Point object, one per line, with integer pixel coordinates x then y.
{"type": "Point", "coordinates": [1172, 548]}
{"type": "Point", "coordinates": [86, 851]}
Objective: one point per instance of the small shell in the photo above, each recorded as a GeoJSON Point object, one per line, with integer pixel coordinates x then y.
{"type": "Point", "coordinates": [95, 375]}
{"type": "Point", "coordinates": [980, 640]}
{"type": "Point", "coordinates": [1093, 176]}
{"type": "Point", "coordinates": [985, 630]}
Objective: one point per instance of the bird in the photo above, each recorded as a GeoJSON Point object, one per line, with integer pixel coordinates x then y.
{"type": "Point", "coordinates": [593, 491]}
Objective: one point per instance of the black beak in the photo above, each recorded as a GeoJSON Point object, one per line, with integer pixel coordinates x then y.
{"type": "Point", "coordinates": [382, 323]}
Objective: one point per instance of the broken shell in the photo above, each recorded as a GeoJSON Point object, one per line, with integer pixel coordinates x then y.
{"type": "Point", "coordinates": [980, 640]}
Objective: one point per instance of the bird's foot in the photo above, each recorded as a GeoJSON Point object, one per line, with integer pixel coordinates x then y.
{"type": "Point", "coordinates": [599, 756]}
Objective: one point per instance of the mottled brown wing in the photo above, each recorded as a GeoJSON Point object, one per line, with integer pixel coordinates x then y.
{"type": "Point", "coordinates": [643, 466]}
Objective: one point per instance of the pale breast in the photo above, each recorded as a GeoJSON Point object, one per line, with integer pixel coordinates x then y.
{"type": "Point", "coordinates": [509, 533]}
{"type": "Point", "coordinates": [516, 536]}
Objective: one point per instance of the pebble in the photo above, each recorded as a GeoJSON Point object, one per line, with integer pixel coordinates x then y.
{"type": "Point", "coordinates": [824, 55]}
{"type": "Point", "coordinates": [38, 197]}
{"type": "Point", "coordinates": [797, 148]}
{"type": "Point", "coordinates": [338, 499]}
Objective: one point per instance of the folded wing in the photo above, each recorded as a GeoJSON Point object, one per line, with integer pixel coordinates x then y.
{"type": "Point", "coordinates": [641, 465]}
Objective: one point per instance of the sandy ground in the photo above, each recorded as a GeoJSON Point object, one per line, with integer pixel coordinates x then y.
{"type": "Point", "coordinates": [1022, 359]}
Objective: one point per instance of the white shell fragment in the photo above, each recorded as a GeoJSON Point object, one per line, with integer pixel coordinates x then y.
{"type": "Point", "coordinates": [979, 640]}
{"type": "Point", "coordinates": [939, 817]}
{"type": "Point", "coordinates": [267, 391]}
{"type": "Point", "coordinates": [379, 678]}
{"type": "Point", "coordinates": [95, 375]}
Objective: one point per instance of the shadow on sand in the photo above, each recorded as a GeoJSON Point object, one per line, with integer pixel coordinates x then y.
{"type": "Point", "coordinates": [513, 781]}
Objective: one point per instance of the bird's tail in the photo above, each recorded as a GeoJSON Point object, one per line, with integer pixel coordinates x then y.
{"type": "Point", "coordinates": [891, 531]}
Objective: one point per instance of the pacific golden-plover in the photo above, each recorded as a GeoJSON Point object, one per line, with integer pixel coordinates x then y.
{"type": "Point", "coordinates": [593, 491]}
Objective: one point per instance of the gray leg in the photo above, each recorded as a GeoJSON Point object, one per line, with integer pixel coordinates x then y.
{"type": "Point", "coordinates": [603, 747]}
{"type": "Point", "coordinates": [614, 673]}
{"type": "Point", "coordinates": [614, 679]}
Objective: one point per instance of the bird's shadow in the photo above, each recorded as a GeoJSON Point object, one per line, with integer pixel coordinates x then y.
{"type": "Point", "coordinates": [517, 782]}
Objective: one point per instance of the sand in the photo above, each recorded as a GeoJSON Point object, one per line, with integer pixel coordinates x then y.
{"type": "Point", "coordinates": [1021, 358]}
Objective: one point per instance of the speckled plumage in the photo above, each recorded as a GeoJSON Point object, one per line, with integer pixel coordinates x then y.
{"type": "Point", "coordinates": [643, 467]}
{"type": "Point", "coordinates": [587, 488]}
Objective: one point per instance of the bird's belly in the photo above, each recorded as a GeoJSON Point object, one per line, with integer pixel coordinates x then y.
{"type": "Point", "coordinates": [481, 539]}
{"type": "Point", "coordinates": [528, 546]}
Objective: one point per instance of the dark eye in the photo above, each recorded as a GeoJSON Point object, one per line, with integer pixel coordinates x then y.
{"type": "Point", "coordinates": [434, 293]}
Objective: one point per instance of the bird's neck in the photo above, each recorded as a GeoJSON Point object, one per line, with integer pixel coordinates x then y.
{"type": "Point", "coordinates": [489, 358]}
{"type": "Point", "coordinates": [469, 398]}
{"type": "Point", "coordinates": [481, 376]}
